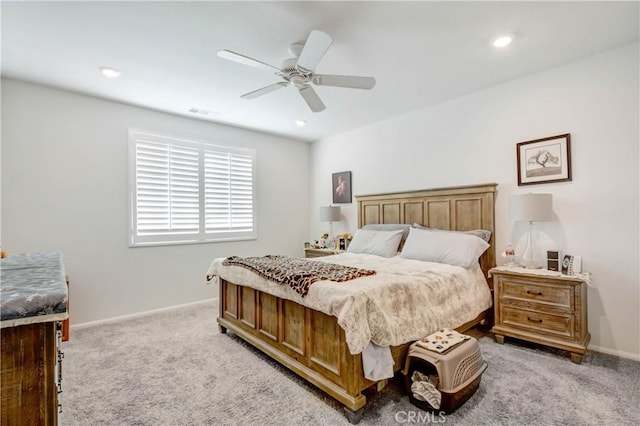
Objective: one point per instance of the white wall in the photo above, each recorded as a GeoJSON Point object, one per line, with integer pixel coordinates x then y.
{"type": "Point", "coordinates": [472, 140]}
{"type": "Point", "coordinates": [65, 188]}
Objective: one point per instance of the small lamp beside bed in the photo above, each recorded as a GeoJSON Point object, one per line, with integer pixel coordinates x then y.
{"type": "Point", "coordinates": [531, 208]}
{"type": "Point", "coordinates": [330, 214]}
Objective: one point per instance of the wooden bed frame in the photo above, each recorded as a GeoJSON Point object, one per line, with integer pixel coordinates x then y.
{"type": "Point", "coordinates": [311, 343]}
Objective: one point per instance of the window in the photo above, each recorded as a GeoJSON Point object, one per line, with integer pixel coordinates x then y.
{"type": "Point", "coordinates": [188, 192]}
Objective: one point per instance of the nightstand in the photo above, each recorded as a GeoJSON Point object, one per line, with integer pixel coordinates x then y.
{"type": "Point", "coordinates": [318, 252]}
{"type": "Point", "coordinates": [541, 306]}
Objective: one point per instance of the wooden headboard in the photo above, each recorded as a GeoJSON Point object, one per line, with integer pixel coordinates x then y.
{"type": "Point", "coordinates": [461, 208]}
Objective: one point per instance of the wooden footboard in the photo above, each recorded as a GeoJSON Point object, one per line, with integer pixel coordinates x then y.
{"type": "Point", "coordinates": [308, 342]}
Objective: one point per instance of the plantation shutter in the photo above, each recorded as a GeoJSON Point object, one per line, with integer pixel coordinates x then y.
{"type": "Point", "coordinates": [185, 191]}
{"type": "Point", "coordinates": [167, 189]}
{"type": "Point", "coordinates": [228, 191]}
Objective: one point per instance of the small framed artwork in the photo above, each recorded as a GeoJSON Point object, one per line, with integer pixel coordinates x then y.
{"type": "Point", "coordinates": [544, 160]}
{"type": "Point", "coordinates": [341, 187]}
{"type": "Point", "coordinates": [567, 261]}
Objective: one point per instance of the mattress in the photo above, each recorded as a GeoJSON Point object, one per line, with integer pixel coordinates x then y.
{"type": "Point", "coordinates": [404, 301]}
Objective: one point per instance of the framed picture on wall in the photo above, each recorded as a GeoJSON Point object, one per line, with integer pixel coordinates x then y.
{"type": "Point", "coordinates": [341, 187]}
{"type": "Point", "coordinates": [544, 160]}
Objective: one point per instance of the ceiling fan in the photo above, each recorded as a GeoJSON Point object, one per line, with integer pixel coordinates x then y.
{"type": "Point", "coordinates": [299, 71]}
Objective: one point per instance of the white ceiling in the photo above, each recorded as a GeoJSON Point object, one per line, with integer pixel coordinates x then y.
{"type": "Point", "coordinates": [421, 53]}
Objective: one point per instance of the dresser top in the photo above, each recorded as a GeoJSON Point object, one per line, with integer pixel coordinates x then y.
{"type": "Point", "coordinates": [516, 270]}
{"type": "Point", "coordinates": [33, 289]}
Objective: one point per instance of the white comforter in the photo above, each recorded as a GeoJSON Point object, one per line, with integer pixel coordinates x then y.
{"type": "Point", "coordinates": [404, 301]}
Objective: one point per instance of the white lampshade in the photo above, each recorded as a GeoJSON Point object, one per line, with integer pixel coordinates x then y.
{"type": "Point", "coordinates": [330, 214]}
{"type": "Point", "coordinates": [531, 207]}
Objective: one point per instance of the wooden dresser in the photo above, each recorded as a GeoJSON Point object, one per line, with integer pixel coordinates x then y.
{"type": "Point", "coordinates": [34, 294]}
{"type": "Point", "coordinates": [543, 307]}
{"type": "Point", "coordinates": [30, 374]}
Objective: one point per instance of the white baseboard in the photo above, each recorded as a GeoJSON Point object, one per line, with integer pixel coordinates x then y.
{"type": "Point", "coordinates": [621, 354]}
{"type": "Point", "coordinates": [138, 314]}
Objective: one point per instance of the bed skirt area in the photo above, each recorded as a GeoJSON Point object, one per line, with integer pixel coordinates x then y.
{"type": "Point", "coordinates": [308, 342]}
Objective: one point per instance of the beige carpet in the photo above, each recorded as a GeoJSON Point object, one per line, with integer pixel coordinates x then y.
{"type": "Point", "coordinates": [174, 368]}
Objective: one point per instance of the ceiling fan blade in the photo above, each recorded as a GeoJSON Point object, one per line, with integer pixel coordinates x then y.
{"type": "Point", "coordinates": [237, 57]}
{"type": "Point", "coordinates": [263, 91]}
{"type": "Point", "coordinates": [311, 98]}
{"type": "Point", "coordinates": [314, 49]}
{"type": "Point", "coordinates": [350, 81]}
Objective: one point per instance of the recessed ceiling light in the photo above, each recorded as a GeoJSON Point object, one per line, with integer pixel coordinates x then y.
{"type": "Point", "coordinates": [301, 123]}
{"type": "Point", "coordinates": [201, 111]}
{"type": "Point", "coordinates": [109, 72]}
{"type": "Point", "coordinates": [502, 41]}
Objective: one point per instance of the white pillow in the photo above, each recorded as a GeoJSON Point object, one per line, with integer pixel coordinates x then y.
{"type": "Point", "coordinates": [480, 233]}
{"type": "Point", "coordinates": [390, 227]}
{"type": "Point", "coordinates": [453, 248]}
{"type": "Point", "coordinates": [381, 243]}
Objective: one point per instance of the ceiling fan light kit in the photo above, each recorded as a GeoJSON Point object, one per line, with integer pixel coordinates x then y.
{"type": "Point", "coordinates": [300, 71]}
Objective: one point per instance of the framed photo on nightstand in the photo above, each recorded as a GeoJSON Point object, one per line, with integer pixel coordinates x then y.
{"type": "Point", "coordinates": [571, 265]}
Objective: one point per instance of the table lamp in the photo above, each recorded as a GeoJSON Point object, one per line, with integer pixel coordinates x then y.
{"type": "Point", "coordinates": [531, 208]}
{"type": "Point", "coordinates": [330, 214]}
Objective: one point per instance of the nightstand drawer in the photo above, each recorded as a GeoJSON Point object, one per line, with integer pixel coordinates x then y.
{"type": "Point", "coordinates": [515, 289]}
{"type": "Point", "coordinates": [538, 322]}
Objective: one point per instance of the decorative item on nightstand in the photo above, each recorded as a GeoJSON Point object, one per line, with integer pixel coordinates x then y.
{"type": "Point", "coordinates": [510, 255]}
{"type": "Point", "coordinates": [553, 260]}
{"type": "Point", "coordinates": [343, 243]}
{"type": "Point", "coordinates": [531, 208]}
{"type": "Point", "coordinates": [571, 265]}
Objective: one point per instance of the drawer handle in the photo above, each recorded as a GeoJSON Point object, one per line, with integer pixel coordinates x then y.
{"type": "Point", "coordinates": [534, 320]}
{"type": "Point", "coordinates": [535, 293]}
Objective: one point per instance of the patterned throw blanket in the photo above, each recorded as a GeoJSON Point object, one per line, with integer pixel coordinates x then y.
{"type": "Point", "coordinates": [298, 273]}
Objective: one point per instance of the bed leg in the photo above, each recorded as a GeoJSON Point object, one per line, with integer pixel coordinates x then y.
{"type": "Point", "coordinates": [354, 416]}
{"type": "Point", "coordinates": [222, 329]}
{"type": "Point", "coordinates": [376, 387]}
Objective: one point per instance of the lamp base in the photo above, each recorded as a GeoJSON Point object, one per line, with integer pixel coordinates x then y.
{"type": "Point", "coordinates": [527, 265]}
{"type": "Point", "coordinates": [528, 257]}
